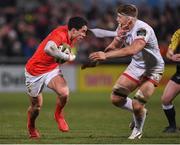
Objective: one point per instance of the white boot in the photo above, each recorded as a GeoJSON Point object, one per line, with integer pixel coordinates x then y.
{"type": "Point", "coordinates": [136, 134]}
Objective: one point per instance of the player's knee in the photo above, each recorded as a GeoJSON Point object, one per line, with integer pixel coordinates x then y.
{"type": "Point", "coordinates": [165, 101]}
{"type": "Point", "coordinates": [120, 92]}
{"type": "Point", "coordinates": [119, 95]}
{"type": "Point", "coordinates": [63, 92]}
{"type": "Point", "coordinates": [139, 97]}
{"type": "Point", "coordinates": [139, 102]}
{"type": "Point", "coordinates": [118, 101]}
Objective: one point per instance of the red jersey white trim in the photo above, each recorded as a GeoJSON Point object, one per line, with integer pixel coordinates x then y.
{"type": "Point", "coordinates": [41, 62]}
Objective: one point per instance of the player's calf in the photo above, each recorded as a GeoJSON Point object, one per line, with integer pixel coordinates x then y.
{"type": "Point", "coordinates": [132, 123]}
{"type": "Point", "coordinates": [139, 111]}
{"type": "Point", "coordinates": [32, 131]}
{"type": "Point", "coordinates": [32, 114]}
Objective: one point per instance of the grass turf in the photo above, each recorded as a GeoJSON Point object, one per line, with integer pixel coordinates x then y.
{"type": "Point", "coordinates": [91, 117]}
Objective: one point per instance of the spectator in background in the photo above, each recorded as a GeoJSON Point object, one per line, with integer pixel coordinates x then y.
{"type": "Point", "coordinates": [45, 15]}
{"type": "Point", "coordinates": [30, 47]}
{"type": "Point", "coordinates": [173, 86]}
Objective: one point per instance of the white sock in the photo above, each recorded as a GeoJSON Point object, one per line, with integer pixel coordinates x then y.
{"type": "Point", "coordinates": [139, 123]}
{"type": "Point", "coordinates": [167, 107]}
{"type": "Point", "coordinates": [128, 105]}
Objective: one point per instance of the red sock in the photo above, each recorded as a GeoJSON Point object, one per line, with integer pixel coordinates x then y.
{"type": "Point", "coordinates": [30, 123]}
{"type": "Point", "coordinates": [58, 109]}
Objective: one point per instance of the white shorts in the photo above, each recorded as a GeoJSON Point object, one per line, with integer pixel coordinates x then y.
{"type": "Point", "coordinates": [140, 74]}
{"type": "Point", "coordinates": [35, 84]}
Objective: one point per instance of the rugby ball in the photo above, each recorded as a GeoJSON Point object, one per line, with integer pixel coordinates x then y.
{"type": "Point", "coordinates": [65, 49]}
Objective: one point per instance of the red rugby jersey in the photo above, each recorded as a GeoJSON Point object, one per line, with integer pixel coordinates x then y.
{"type": "Point", "coordinates": [41, 62]}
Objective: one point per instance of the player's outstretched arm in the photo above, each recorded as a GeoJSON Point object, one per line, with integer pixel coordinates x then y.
{"type": "Point", "coordinates": [101, 33]}
{"type": "Point", "coordinates": [115, 44]}
{"type": "Point", "coordinates": [52, 50]}
{"type": "Point", "coordinates": [130, 50]}
{"type": "Point", "coordinates": [134, 48]}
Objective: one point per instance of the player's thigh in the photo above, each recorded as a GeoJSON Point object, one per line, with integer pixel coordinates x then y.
{"type": "Point", "coordinates": [122, 88]}
{"type": "Point", "coordinates": [59, 85]}
{"type": "Point", "coordinates": [34, 84]}
{"type": "Point", "coordinates": [148, 84]}
{"type": "Point", "coordinates": [171, 90]}
{"type": "Point", "coordinates": [125, 82]}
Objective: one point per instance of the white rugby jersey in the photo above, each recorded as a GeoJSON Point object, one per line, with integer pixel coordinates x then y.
{"type": "Point", "coordinates": [149, 57]}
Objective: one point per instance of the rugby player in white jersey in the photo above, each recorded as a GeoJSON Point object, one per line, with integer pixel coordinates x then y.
{"type": "Point", "coordinates": [137, 39]}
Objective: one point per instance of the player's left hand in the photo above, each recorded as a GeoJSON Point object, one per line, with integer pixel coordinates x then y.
{"type": "Point", "coordinates": [97, 56]}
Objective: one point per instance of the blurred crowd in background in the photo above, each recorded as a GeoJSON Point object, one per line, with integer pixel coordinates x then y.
{"type": "Point", "coordinates": [24, 23]}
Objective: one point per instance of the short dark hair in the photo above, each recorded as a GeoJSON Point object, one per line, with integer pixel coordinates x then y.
{"type": "Point", "coordinates": [76, 22]}
{"type": "Point", "coordinates": [129, 10]}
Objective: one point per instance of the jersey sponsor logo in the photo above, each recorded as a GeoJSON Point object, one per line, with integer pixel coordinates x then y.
{"type": "Point", "coordinates": [141, 32]}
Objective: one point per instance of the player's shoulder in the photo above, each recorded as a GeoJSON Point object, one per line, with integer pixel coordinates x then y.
{"type": "Point", "coordinates": [61, 30]}
{"type": "Point", "coordinates": [142, 25]}
{"type": "Point", "coordinates": [142, 28]}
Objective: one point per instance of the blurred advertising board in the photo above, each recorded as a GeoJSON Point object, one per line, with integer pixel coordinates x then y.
{"type": "Point", "coordinates": [102, 78]}
{"type": "Point", "coordinates": [12, 78]}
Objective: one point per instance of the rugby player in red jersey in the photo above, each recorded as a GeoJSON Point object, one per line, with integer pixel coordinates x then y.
{"type": "Point", "coordinates": [43, 69]}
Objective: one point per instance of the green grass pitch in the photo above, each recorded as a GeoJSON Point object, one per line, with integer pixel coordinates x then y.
{"type": "Point", "coordinates": [91, 117]}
